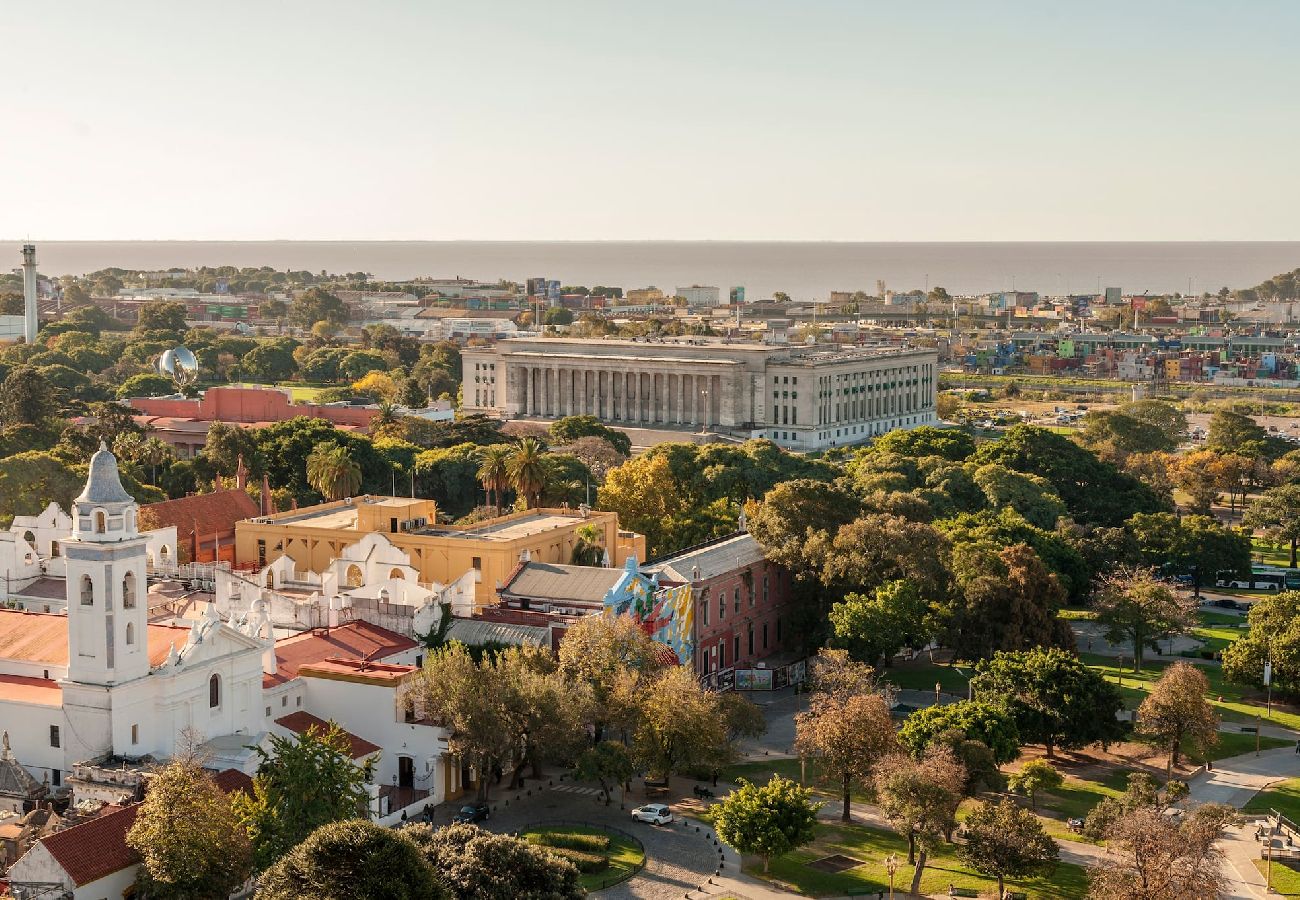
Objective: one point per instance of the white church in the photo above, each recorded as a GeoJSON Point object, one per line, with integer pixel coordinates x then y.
{"type": "Point", "coordinates": [90, 694]}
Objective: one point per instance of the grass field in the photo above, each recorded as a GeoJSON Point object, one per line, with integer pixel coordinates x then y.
{"type": "Point", "coordinates": [761, 772]}
{"type": "Point", "coordinates": [872, 846]}
{"type": "Point", "coordinates": [1283, 797]}
{"type": "Point", "coordinates": [1284, 880]}
{"type": "Point", "coordinates": [1266, 553]}
{"type": "Point", "coordinates": [953, 679]}
{"type": "Point", "coordinates": [299, 393]}
{"type": "Point", "coordinates": [625, 856]}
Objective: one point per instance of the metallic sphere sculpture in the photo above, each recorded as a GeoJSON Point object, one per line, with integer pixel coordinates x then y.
{"type": "Point", "coordinates": [179, 365]}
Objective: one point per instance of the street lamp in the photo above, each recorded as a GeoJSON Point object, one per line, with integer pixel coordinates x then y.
{"type": "Point", "coordinates": [891, 867]}
{"type": "Point", "coordinates": [704, 393]}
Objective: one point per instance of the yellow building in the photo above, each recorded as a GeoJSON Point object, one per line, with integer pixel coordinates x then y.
{"type": "Point", "coordinates": [315, 536]}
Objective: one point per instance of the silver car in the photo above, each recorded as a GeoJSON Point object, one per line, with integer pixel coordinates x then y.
{"type": "Point", "coordinates": [654, 813]}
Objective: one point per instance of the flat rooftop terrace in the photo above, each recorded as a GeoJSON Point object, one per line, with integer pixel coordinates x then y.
{"type": "Point", "coordinates": [506, 530]}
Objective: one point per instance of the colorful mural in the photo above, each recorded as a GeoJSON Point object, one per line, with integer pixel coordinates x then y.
{"type": "Point", "coordinates": [666, 614]}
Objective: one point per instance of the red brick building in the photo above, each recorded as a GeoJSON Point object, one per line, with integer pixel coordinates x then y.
{"type": "Point", "coordinates": [742, 612]}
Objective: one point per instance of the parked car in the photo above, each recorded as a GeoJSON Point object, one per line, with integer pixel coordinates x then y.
{"type": "Point", "coordinates": [654, 813]}
{"type": "Point", "coordinates": [476, 813]}
{"type": "Point", "coordinates": [1229, 603]}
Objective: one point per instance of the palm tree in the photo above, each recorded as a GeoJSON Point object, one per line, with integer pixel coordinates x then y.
{"type": "Point", "coordinates": [154, 452]}
{"type": "Point", "coordinates": [333, 472]}
{"type": "Point", "coordinates": [494, 471]}
{"type": "Point", "coordinates": [528, 470]}
{"type": "Point", "coordinates": [386, 416]}
{"type": "Point", "coordinates": [589, 549]}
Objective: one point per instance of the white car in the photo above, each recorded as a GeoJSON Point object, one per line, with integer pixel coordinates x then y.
{"type": "Point", "coordinates": [654, 813]}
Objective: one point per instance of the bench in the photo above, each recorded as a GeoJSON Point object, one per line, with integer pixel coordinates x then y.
{"type": "Point", "coordinates": [962, 892]}
{"type": "Point", "coordinates": [1017, 895]}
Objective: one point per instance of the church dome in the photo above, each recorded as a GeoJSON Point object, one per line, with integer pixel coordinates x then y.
{"type": "Point", "coordinates": [104, 484]}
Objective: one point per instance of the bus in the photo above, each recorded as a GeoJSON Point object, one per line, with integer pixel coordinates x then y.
{"type": "Point", "coordinates": [1261, 578]}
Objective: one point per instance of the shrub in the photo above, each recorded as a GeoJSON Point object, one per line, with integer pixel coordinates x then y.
{"type": "Point", "coordinates": [585, 862]}
{"type": "Point", "coordinates": [591, 843]}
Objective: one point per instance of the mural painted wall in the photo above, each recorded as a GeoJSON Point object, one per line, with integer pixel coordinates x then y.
{"type": "Point", "coordinates": [667, 614]}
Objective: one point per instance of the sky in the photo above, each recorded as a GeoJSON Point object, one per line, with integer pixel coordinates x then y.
{"type": "Point", "coordinates": [806, 120]}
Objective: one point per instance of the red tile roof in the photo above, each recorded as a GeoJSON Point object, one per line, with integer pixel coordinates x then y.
{"type": "Point", "coordinates": [355, 640]}
{"type": "Point", "coordinates": [299, 722]}
{"type": "Point", "coordinates": [358, 670]}
{"type": "Point", "coordinates": [216, 512]}
{"type": "Point", "coordinates": [232, 781]}
{"type": "Point", "coordinates": [22, 689]}
{"type": "Point", "coordinates": [43, 638]}
{"type": "Point", "coordinates": [94, 849]}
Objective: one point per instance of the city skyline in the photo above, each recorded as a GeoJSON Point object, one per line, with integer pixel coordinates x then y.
{"type": "Point", "coordinates": [755, 121]}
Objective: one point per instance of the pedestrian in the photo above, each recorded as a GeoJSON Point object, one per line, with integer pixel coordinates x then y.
{"type": "Point", "coordinates": [1209, 765]}
{"type": "Point", "coordinates": [1297, 746]}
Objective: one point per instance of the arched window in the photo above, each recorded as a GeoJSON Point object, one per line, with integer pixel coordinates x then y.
{"type": "Point", "coordinates": [29, 538]}
{"type": "Point", "coordinates": [130, 633]}
{"type": "Point", "coordinates": [163, 554]}
{"type": "Point", "coordinates": [101, 521]}
{"type": "Point", "coordinates": [128, 591]}
{"type": "Point", "coordinates": [87, 591]}
{"type": "Point", "coordinates": [397, 573]}
{"type": "Point", "coordinates": [270, 578]}
{"type": "Point", "coordinates": [214, 691]}
{"type": "Point", "coordinates": [355, 576]}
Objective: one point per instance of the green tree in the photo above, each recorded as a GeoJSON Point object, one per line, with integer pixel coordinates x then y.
{"type": "Point", "coordinates": [1171, 420]}
{"type": "Point", "coordinates": [1277, 513]}
{"type": "Point", "coordinates": [1031, 496]}
{"type": "Point", "coordinates": [352, 860]}
{"type": "Point", "coordinates": [877, 625]}
{"type": "Point", "coordinates": [949, 443]}
{"type": "Point", "coordinates": [608, 763]}
{"type": "Point", "coordinates": [920, 797]}
{"type": "Point", "coordinates": [1056, 699]}
{"type": "Point", "coordinates": [1274, 635]}
{"type": "Point", "coordinates": [681, 726]}
{"type": "Point", "coordinates": [616, 660]}
{"type": "Point", "coordinates": [1034, 776]}
{"type": "Point", "coordinates": [1231, 431]}
{"type": "Point", "coordinates": [359, 363]}
{"type": "Point", "coordinates": [766, 821]}
{"type": "Point", "coordinates": [166, 316]}
{"type": "Point", "coordinates": [1199, 546]}
{"type": "Point", "coordinates": [30, 481]}
{"type": "Point", "coordinates": [571, 428]}
{"type": "Point", "coordinates": [1137, 607]}
{"type": "Point", "coordinates": [317, 305]}
{"type": "Point", "coordinates": [478, 865]}
{"type": "Point", "coordinates": [1153, 856]}
{"type": "Point", "coordinates": [977, 720]}
{"type": "Point", "coordinates": [271, 361]}
{"type": "Point", "coordinates": [1004, 841]}
{"type": "Point", "coordinates": [26, 398]}
{"type": "Point", "coordinates": [146, 384]}
{"type": "Point", "coordinates": [1114, 435]}
{"type": "Point", "coordinates": [1008, 600]}
{"type": "Point", "coordinates": [1177, 708]}
{"type": "Point", "coordinates": [226, 444]}
{"type": "Point", "coordinates": [191, 845]}
{"type": "Point", "coordinates": [528, 471]}
{"type": "Point", "coordinates": [589, 550]}
{"type": "Point", "coordinates": [333, 472]}
{"type": "Point", "coordinates": [300, 785]}
{"type": "Point", "coordinates": [494, 472]}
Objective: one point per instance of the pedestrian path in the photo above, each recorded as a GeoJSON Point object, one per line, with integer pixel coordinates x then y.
{"type": "Point", "coordinates": [578, 789]}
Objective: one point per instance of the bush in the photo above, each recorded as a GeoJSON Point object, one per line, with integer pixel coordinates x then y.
{"type": "Point", "coordinates": [585, 862]}
{"type": "Point", "coordinates": [591, 843]}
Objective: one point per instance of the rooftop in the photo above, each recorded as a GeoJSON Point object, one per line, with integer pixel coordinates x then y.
{"type": "Point", "coordinates": [97, 848]}
{"type": "Point", "coordinates": [37, 691]}
{"type": "Point", "coordinates": [300, 723]}
{"type": "Point", "coordinates": [215, 512]}
{"type": "Point", "coordinates": [712, 559]}
{"type": "Point", "coordinates": [357, 670]}
{"type": "Point", "coordinates": [43, 638]}
{"type": "Point", "coordinates": [552, 581]}
{"type": "Point", "coordinates": [355, 640]}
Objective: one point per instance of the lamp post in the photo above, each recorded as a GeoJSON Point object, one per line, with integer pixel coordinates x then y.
{"type": "Point", "coordinates": [704, 393]}
{"type": "Point", "coordinates": [891, 867]}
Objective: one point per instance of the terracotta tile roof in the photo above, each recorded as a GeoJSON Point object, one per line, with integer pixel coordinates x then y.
{"type": "Point", "coordinates": [43, 638]}
{"type": "Point", "coordinates": [97, 848]}
{"type": "Point", "coordinates": [355, 640]}
{"type": "Point", "coordinates": [216, 512]}
{"type": "Point", "coordinates": [299, 722]}
{"type": "Point", "coordinates": [34, 637]}
{"type": "Point", "coordinates": [21, 689]}
{"type": "Point", "coordinates": [233, 781]}
{"type": "Point", "coordinates": [358, 670]}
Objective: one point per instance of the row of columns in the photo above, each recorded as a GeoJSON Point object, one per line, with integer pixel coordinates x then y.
{"type": "Point", "coordinates": [633, 396]}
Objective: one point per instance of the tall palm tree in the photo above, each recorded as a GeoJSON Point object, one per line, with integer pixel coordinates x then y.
{"type": "Point", "coordinates": [589, 549]}
{"type": "Point", "coordinates": [333, 472]}
{"type": "Point", "coordinates": [386, 416]}
{"type": "Point", "coordinates": [494, 471]}
{"type": "Point", "coordinates": [528, 470]}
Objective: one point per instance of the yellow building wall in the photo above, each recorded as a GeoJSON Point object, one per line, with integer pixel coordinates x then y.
{"type": "Point", "coordinates": [438, 557]}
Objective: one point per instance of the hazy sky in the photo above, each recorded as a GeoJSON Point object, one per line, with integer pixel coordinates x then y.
{"type": "Point", "coordinates": [725, 119]}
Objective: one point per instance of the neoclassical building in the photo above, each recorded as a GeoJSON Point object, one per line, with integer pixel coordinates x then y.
{"type": "Point", "coordinates": [804, 397]}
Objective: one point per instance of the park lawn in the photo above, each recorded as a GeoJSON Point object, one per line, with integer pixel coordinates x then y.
{"type": "Point", "coordinates": [298, 392]}
{"type": "Point", "coordinates": [1072, 613]}
{"type": "Point", "coordinates": [626, 857]}
{"type": "Point", "coordinates": [1207, 617]}
{"type": "Point", "coordinates": [1228, 698]}
{"type": "Point", "coordinates": [1216, 638]}
{"type": "Point", "coordinates": [873, 845]}
{"type": "Point", "coordinates": [1284, 880]}
{"type": "Point", "coordinates": [952, 678]}
{"type": "Point", "coordinates": [1077, 796]}
{"type": "Point", "coordinates": [1283, 797]}
{"type": "Point", "coordinates": [761, 771]}
{"type": "Point", "coordinates": [1268, 554]}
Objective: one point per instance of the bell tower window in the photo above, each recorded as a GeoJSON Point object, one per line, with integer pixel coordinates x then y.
{"type": "Point", "coordinates": [101, 521]}
{"type": "Point", "coordinates": [130, 633]}
{"type": "Point", "coordinates": [128, 591]}
{"type": "Point", "coordinates": [87, 591]}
